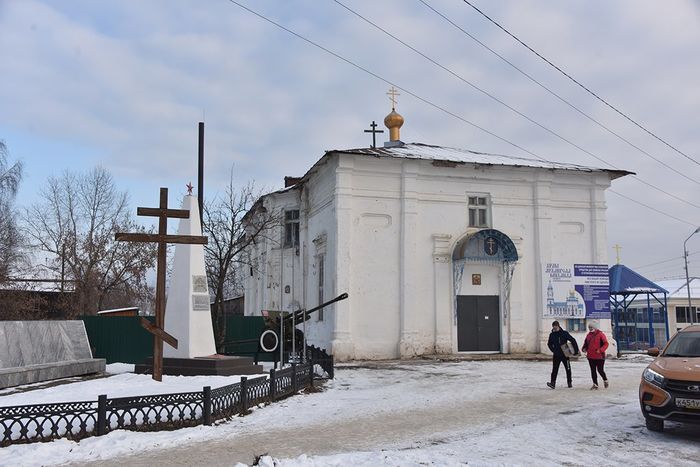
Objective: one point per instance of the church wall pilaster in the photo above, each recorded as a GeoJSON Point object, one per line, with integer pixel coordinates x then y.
{"type": "Point", "coordinates": [442, 293]}
{"type": "Point", "coordinates": [342, 344]}
{"type": "Point", "coordinates": [598, 226]}
{"type": "Point", "coordinates": [542, 202]}
{"type": "Point", "coordinates": [409, 345]}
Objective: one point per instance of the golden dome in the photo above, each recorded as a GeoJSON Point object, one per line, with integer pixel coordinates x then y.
{"type": "Point", "coordinates": [394, 119]}
{"type": "Point", "coordinates": [393, 122]}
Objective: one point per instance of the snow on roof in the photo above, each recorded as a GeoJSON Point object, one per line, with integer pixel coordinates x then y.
{"type": "Point", "coordinates": [641, 289]}
{"type": "Point", "coordinates": [424, 151]}
{"type": "Point", "coordinates": [466, 156]}
{"type": "Point", "coordinates": [116, 310]}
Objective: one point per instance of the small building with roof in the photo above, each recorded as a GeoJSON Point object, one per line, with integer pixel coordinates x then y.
{"type": "Point", "coordinates": [676, 315]}
{"type": "Point", "coordinates": [639, 310]}
{"type": "Point", "coordinates": [441, 250]}
{"type": "Point", "coordinates": [680, 311]}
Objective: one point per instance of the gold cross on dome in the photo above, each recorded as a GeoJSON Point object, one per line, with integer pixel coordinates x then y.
{"type": "Point", "coordinates": [392, 96]}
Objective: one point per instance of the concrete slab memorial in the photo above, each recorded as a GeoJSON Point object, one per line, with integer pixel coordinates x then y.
{"type": "Point", "coordinates": [33, 351]}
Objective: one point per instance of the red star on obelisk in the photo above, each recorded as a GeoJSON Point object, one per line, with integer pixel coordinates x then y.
{"type": "Point", "coordinates": [189, 188]}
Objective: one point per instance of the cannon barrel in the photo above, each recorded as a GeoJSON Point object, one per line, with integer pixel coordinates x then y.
{"type": "Point", "coordinates": [269, 339]}
{"type": "Point", "coordinates": [298, 316]}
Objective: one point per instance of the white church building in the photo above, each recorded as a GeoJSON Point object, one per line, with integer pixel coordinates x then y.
{"type": "Point", "coordinates": [441, 250]}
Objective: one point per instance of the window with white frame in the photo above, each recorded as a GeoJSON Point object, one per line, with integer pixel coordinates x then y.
{"type": "Point", "coordinates": [683, 314]}
{"type": "Point", "coordinates": [291, 228]}
{"type": "Point", "coordinates": [479, 211]}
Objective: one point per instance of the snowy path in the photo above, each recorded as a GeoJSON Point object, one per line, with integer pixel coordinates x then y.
{"type": "Point", "coordinates": [402, 414]}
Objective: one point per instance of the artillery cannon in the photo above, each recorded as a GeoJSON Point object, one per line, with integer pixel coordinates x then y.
{"type": "Point", "coordinates": [284, 323]}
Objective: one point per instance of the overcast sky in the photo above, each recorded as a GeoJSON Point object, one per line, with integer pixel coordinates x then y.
{"type": "Point", "coordinates": [123, 84]}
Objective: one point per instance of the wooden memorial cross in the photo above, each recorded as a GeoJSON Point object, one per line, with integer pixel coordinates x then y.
{"type": "Point", "coordinates": [162, 239]}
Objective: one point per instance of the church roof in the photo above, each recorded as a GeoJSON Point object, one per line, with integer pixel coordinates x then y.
{"type": "Point", "coordinates": [465, 156]}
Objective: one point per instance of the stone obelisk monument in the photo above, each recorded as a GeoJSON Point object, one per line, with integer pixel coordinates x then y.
{"type": "Point", "coordinates": [187, 310]}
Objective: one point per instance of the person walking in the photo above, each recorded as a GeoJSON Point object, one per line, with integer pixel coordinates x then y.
{"type": "Point", "coordinates": [558, 343]}
{"type": "Point", "coordinates": [595, 346]}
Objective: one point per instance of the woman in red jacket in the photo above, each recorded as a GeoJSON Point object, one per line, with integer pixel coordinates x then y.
{"type": "Point", "coordinates": [595, 346]}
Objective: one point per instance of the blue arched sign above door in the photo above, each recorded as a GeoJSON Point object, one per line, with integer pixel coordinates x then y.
{"type": "Point", "coordinates": [486, 245]}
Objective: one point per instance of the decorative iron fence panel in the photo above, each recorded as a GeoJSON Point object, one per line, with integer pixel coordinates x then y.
{"type": "Point", "coordinates": [226, 401]}
{"type": "Point", "coordinates": [283, 380]}
{"type": "Point", "coordinates": [77, 420]}
{"type": "Point", "coordinates": [44, 422]}
{"type": "Point", "coordinates": [145, 413]}
{"type": "Point", "coordinates": [258, 390]}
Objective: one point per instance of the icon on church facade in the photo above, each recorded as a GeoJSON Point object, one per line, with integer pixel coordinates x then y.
{"type": "Point", "coordinates": [476, 279]}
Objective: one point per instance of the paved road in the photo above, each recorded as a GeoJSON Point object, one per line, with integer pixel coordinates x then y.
{"type": "Point", "coordinates": [394, 404]}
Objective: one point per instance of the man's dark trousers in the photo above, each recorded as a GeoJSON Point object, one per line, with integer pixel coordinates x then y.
{"type": "Point", "coordinates": [556, 360]}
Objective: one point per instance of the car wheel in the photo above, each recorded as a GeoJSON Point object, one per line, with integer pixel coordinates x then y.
{"type": "Point", "coordinates": [654, 424]}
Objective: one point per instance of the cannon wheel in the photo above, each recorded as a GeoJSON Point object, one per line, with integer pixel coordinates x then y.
{"type": "Point", "coordinates": [269, 341]}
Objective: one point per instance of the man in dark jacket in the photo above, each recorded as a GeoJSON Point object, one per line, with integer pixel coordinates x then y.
{"type": "Point", "coordinates": [558, 338]}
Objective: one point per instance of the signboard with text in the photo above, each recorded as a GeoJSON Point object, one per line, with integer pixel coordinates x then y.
{"type": "Point", "coordinates": [576, 291]}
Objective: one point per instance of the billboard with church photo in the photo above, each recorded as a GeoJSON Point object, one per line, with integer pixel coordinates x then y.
{"type": "Point", "coordinates": [575, 291]}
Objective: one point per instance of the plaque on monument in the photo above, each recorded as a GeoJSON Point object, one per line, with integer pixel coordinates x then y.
{"type": "Point", "coordinates": [199, 284]}
{"type": "Point", "coordinates": [200, 302]}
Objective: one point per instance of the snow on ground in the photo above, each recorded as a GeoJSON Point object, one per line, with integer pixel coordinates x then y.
{"type": "Point", "coordinates": [409, 413]}
{"type": "Point", "coordinates": [118, 385]}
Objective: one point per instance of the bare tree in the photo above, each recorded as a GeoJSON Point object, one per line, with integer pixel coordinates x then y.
{"type": "Point", "coordinates": [75, 222]}
{"type": "Point", "coordinates": [10, 238]}
{"type": "Point", "coordinates": [231, 222]}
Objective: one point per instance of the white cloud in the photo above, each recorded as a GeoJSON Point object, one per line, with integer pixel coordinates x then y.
{"type": "Point", "coordinates": [131, 79]}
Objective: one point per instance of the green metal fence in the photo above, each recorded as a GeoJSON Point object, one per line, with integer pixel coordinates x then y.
{"type": "Point", "coordinates": [245, 328]}
{"type": "Point", "coordinates": [119, 338]}
{"type": "Point", "coordinates": [122, 339]}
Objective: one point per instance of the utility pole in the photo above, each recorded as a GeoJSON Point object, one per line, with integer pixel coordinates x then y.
{"type": "Point", "coordinates": [693, 314]}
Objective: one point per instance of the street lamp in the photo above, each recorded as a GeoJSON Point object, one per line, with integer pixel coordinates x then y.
{"type": "Point", "coordinates": [687, 278]}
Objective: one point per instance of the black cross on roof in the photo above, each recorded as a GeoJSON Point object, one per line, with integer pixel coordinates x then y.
{"type": "Point", "coordinates": [374, 132]}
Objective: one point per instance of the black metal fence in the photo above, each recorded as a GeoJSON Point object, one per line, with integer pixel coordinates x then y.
{"type": "Point", "coordinates": [78, 420]}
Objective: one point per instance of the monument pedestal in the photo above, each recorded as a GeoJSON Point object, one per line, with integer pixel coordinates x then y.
{"type": "Point", "coordinates": [219, 365]}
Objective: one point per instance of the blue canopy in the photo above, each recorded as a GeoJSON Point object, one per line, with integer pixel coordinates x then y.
{"type": "Point", "coordinates": [623, 280]}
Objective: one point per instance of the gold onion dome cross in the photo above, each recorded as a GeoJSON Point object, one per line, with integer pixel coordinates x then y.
{"type": "Point", "coordinates": [394, 120]}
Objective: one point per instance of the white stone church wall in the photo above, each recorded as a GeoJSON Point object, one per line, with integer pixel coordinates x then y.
{"type": "Point", "coordinates": [318, 238]}
{"type": "Point", "coordinates": [389, 228]}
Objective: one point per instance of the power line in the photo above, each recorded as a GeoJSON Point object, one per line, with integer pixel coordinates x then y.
{"type": "Point", "coordinates": [649, 132]}
{"type": "Point", "coordinates": [550, 91]}
{"type": "Point", "coordinates": [371, 73]}
{"type": "Point", "coordinates": [649, 207]}
{"type": "Point", "coordinates": [425, 101]}
{"type": "Point", "coordinates": [516, 111]}
{"type": "Point", "coordinates": [666, 260]}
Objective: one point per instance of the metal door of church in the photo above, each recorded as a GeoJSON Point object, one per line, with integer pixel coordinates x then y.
{"type": "Point", "coordinates": [478, 323]}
